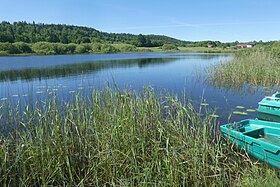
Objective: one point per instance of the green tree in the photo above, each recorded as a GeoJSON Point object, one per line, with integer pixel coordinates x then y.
{"type": "Point", "coordinates": [141, 40]}
{"type": "Point", "coordinates": [22, 47]}
{"type": "Point", "coordinates": [6, 37]}
{"type": "Point", "coordinates": [53, 38]}
{"type": "Point", "coordinates": [107, 48]}
{"type": "Point", "coordinates": [83, 48]}
{"type": "Point", "coordinates": [9, 48]}
{"type": "Point", "coordinates": [96, 48]}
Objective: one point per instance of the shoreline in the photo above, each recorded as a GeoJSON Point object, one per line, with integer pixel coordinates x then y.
{"type": "Point", "coordinates": [140, 50]}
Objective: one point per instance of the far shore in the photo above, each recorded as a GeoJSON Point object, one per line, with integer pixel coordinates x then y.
{"type": "Point", "coordinates": [140, 50]}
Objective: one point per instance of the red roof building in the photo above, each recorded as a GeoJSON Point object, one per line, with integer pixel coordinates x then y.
{"type": "Point", "coordinates": [245, 45]}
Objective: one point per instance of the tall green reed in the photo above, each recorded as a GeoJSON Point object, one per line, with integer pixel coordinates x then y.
{"type": "Point", "coordinates": [256, 67]}
{"type": "Point", "coordinates": [122, 139]}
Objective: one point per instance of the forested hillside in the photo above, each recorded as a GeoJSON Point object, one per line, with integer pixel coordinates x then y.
{"type": "Point", "coordinates": [48, 39]}
{"type": "Point", "coordinates": [57, 33]}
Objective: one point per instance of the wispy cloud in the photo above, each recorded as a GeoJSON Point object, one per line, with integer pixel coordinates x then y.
{"type": "Point", "coordinates": [239, 23]}
{"type": "Point", "coordinates": [198, 25]}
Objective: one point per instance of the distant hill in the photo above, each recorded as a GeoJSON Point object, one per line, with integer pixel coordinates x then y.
{"type": "Point", "coordinates": [49, 39]}
{"type": "Point", "coordinates": [61, 33]}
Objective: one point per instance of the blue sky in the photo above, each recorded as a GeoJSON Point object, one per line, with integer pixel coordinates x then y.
{"type": "Point", "coordinates": [192, 20]}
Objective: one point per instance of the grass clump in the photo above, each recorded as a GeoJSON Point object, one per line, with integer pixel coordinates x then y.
{"type": "Point", "coordinates": [118, 138]}
{"type": "Point", "coordinates": [256, 67]}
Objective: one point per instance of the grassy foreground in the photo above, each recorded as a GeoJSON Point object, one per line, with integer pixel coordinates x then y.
{"type": "Point", "coordinates": [257, 67]}
{"type": "Point", "coordinates": [121, 139]}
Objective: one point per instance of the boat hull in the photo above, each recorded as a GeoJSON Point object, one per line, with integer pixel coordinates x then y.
{"type": "Point", "coordinates": [261, 139]}
{"type": "Point", "coordinates": [262, 115]}
{"type": "Point", "coordinates": [269, 108]}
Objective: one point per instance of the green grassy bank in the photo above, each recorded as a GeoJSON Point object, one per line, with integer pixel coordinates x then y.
{"type": "Point", "coordinates": [121, 139]}
{"type": "Point", "coordinates": [47, 48]}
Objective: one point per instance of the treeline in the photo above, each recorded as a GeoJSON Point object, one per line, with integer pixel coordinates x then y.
{"type": "Point", "coordinates": [39, 38]}
{"type": "Point", "coordinates": [47, 48]}
{"type": "Point", "coordinates": [66, 34]}
{"type": "Point", "coordinates": [213, 43]}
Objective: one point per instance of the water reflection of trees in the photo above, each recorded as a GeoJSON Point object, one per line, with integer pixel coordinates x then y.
{"type": "Point", "coordinates": [203, 56]}
{"type": "Point", "coordinates": [79, 68]}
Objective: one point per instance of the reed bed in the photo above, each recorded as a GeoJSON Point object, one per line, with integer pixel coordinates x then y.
{"type": "Point", "coordinates": [258, 68]}
{"type": "Point", "coordinates": [120, 139]}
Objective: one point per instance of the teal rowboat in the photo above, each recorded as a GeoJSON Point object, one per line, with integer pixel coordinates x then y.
{"type": "Point", "coordinates": [259, 138]}
{"type": "Point", "coordinates": [269, 108]}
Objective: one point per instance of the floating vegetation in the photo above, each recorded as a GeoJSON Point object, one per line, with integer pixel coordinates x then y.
{"type": "Point", "coordinates": [239, 113]}
{"type": "Point", "coordinates": [15, 95]}
{"type": "Point", "coordinates": [240, 107]}
{"type": "Point", "coordinates": [4, 99]}
{"type": "Point", "coordinates": [39, 92]}
{"type": "Point", "coordinates": [72, 91]}
{"type": "Point", "coordinates": [54, 89]}
{"type": "Point", "coordinates": [80, 88]}
{"type": "Point", "coordinates": [24, 95]}
{"type": "Point", "coordinates": [236, 112]}
{"type": "Point", "coordinates": [250, 110]}
{"type": "Point", "coordinates": [204, 104]}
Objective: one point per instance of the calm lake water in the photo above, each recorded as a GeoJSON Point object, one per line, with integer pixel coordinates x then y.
{"type": "Point", "coordinates": [34, 77]}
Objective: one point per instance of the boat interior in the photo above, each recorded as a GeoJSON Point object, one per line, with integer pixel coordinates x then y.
{"type": "Point", "coordinates": [256, 129]}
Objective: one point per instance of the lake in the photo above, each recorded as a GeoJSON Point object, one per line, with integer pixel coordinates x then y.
{"type": "Point", "coordinates": [29, 78]}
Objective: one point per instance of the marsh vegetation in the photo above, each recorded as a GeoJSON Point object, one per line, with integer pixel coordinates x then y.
{"type": "Point", "coordinates": [257, 67]}
{"type": "Point", "coordinates": [123, 139]}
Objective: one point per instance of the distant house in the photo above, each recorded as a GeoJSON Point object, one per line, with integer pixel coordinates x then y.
{"type": "Point", "coordinates": [211, 46]}
{"type": "Point", "coordinates": [246, 45]}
